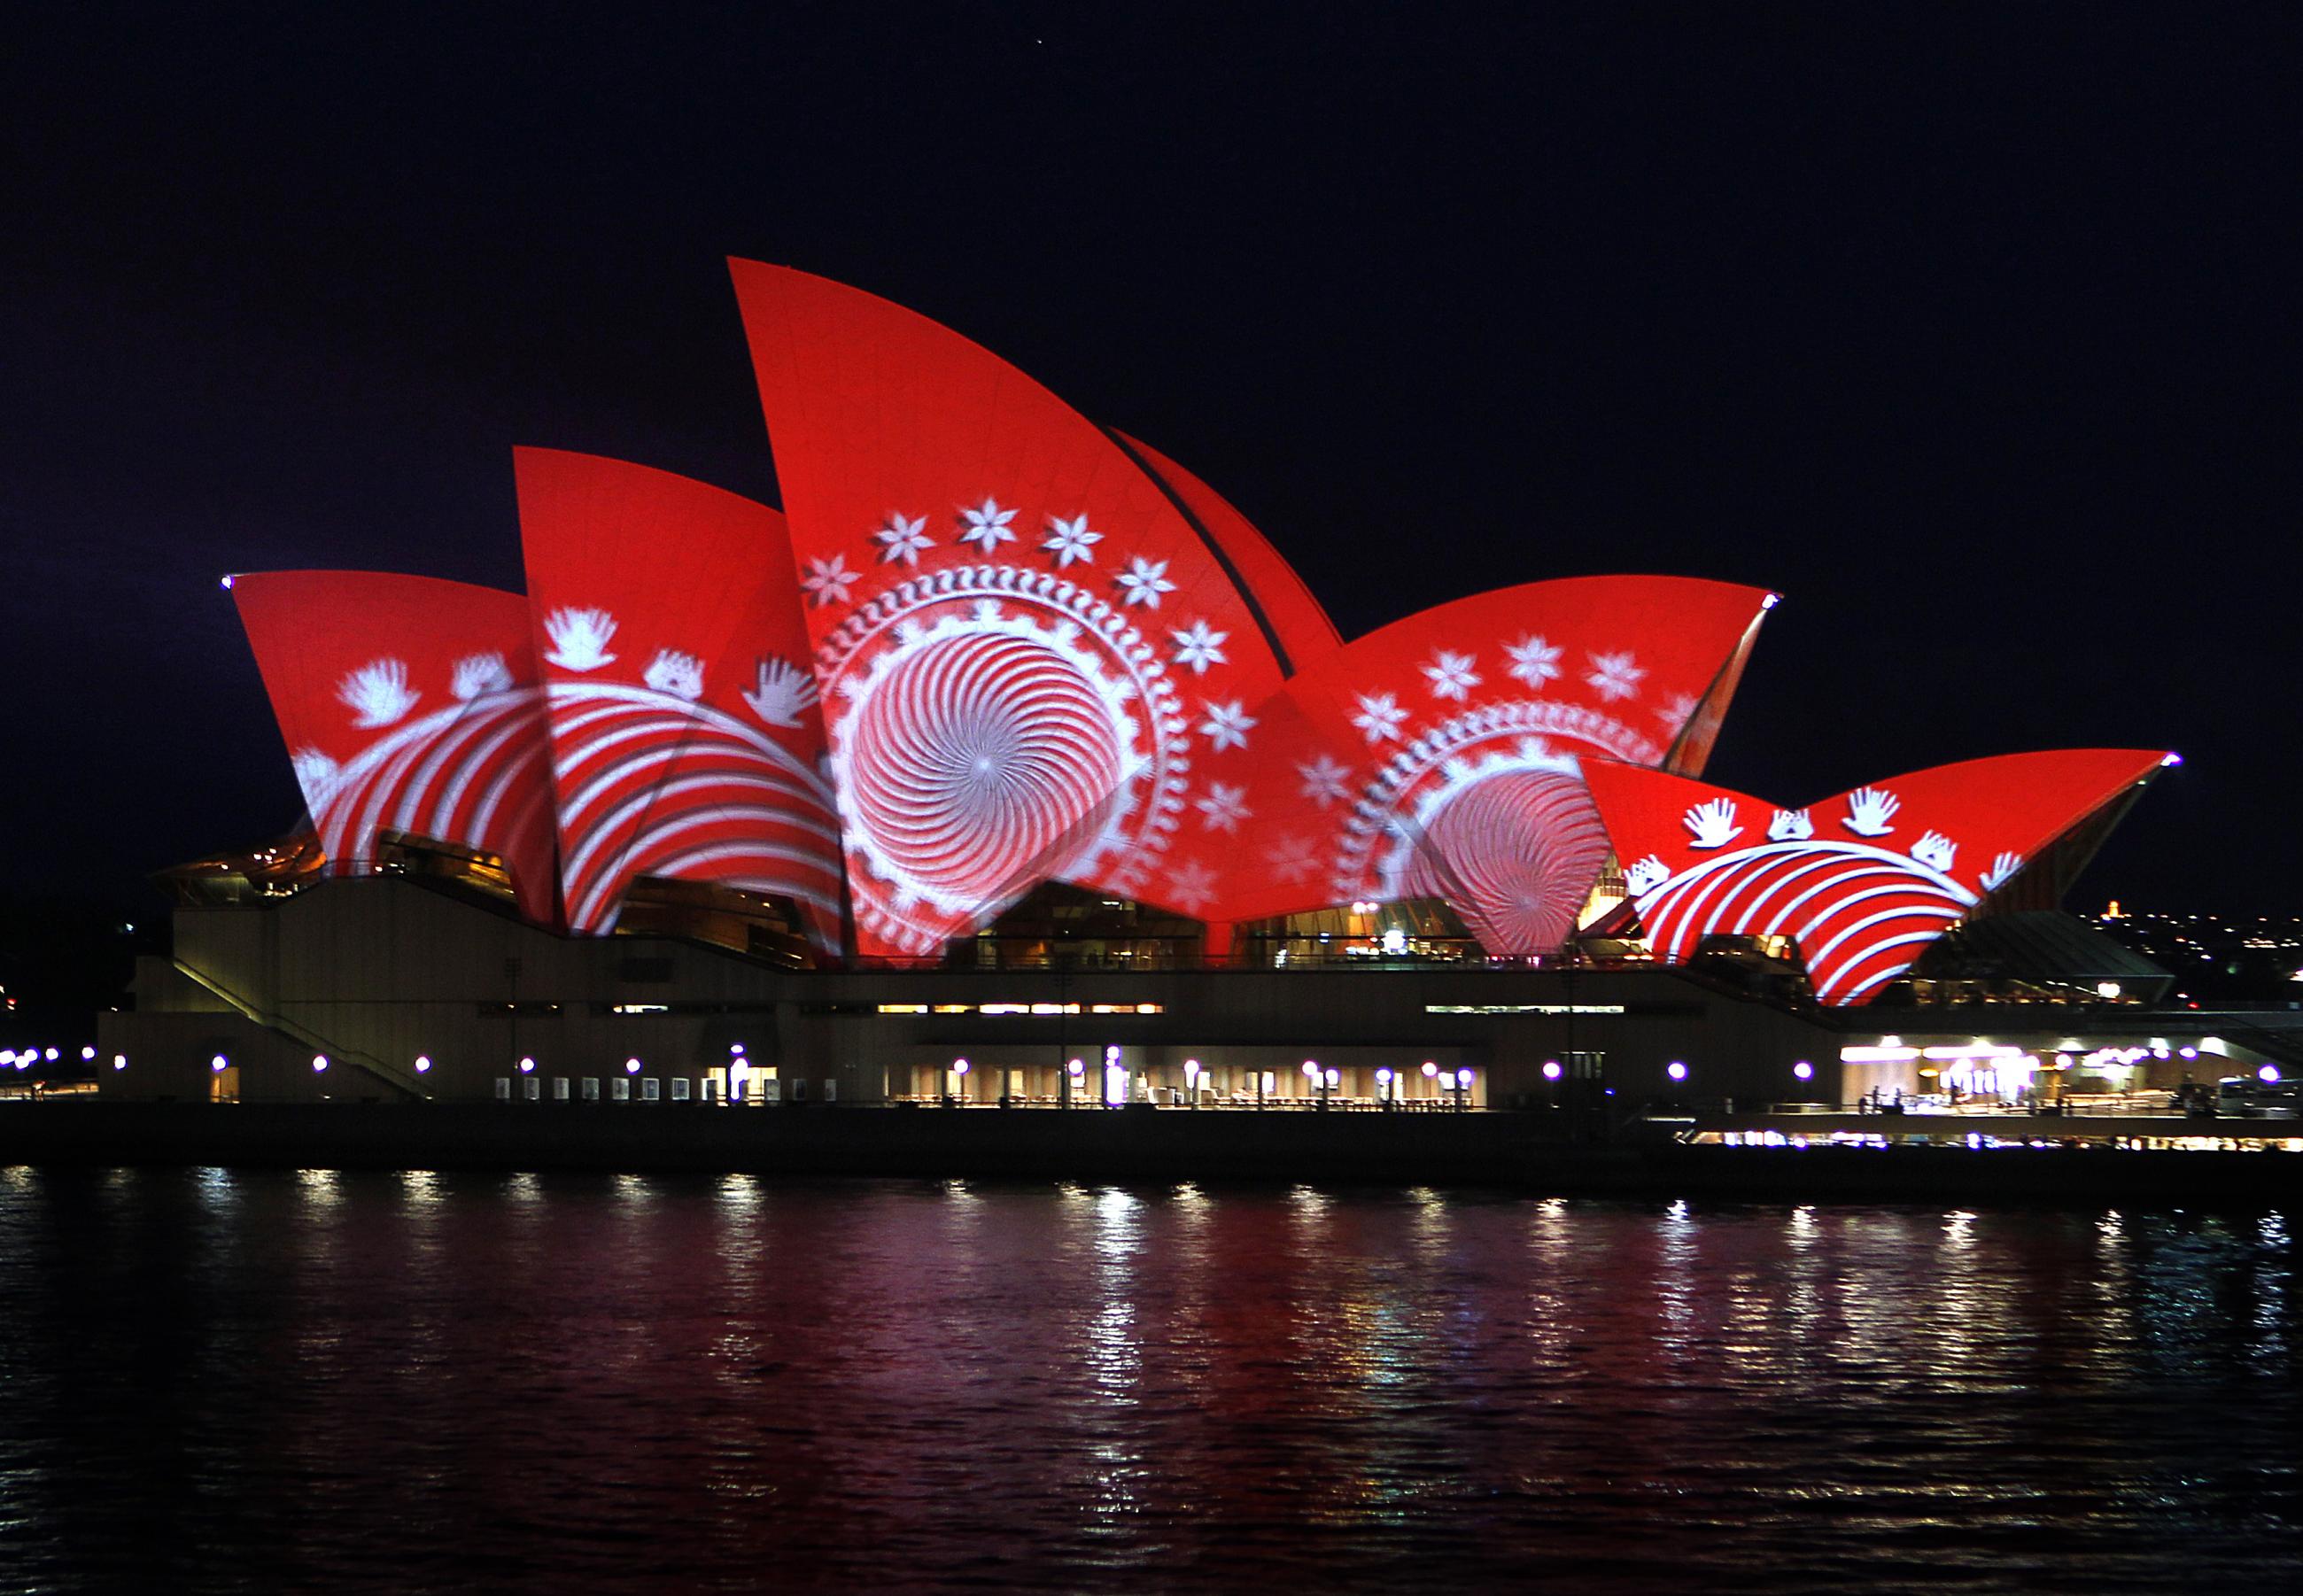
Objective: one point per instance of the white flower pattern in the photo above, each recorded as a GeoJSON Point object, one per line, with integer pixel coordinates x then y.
{"type": "Point", "coordinates": [1223, 807]}
{"type": "Point", "coordinates": [1324, 779]}
{"type": "Point", "coordinates": [1226, 725]}
{"type": "Point", "coordinates": [1533, 660]}
{"type": "Point", "coordinates": [987, 525]}
{"type": "Point", "coordinates": [1199, 646]}
{"type": "Point", "coordinates": [1451, 674]}
{"type": "Point", "coordinates": [1070, 540]}
{"type": "Point", "coordinates": [828, 580]}
{"type": "Point", "coordinates": [1615, 676]}
{"type": "Point", "coordinates": [904, 539]}
{"type": "Point", "coordinates": [1380, 717]}
{"type": "Point", "coordinates": [1143, 581]}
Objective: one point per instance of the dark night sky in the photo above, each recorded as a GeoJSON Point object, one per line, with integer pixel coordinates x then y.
{"type": "Point", "coordinates": [1972, 329]}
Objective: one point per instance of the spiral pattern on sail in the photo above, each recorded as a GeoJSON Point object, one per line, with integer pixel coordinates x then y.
{"type": "Point", "coordinates": [1860, 914]}
{"type": "Point", "coordinates": [1516, 854]}
{"type": "Point", "coordinates": [975, 757]}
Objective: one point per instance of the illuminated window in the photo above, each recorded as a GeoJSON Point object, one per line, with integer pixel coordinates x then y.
{"type": "Point", "coordinates": [903, 1007]}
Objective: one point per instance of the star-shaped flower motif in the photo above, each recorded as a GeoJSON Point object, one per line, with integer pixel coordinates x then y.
{"type": "Point", "coordinates": [1677, 710]}
{"type": "Point", "coordinates": [1190, 885]}
{"type": "Point", "coordinates": [828, 580]}
{"type": "Point", "coordinates": [903, 538]}
{"type": "Point", "coordinates": [1199, 646]}
{"type": "Point", "coordinates": [1451, 674]}
{"type": "Point", "coordinates": [1143, 581]}
{"type": "Point", "coordinates": [988, 525]}
{"type": "Point", "coordinates": [1294, 859]}
{"type": "Point", "coordinates": [1614, 676]}
{"type": "Point", "coordinates": [1223, 807]}
{"type": "Point", "coordinates": [1323, 780]}
{"type": "Point", "coordinates": [1070, 540]}
{"type": "Point", "coordinates": [1226, 725]}
{"type": "Point", "coordinates": [1380, 717]}
{"type": "Point", "coordinates": [1533, 660]}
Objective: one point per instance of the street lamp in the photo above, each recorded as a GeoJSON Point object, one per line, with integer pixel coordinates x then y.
{"type": "Point", "coordinates": [319, 1063]}
{"type": "Point", "coordinates": [960, 1085]}
{"type": "Point", "coordinates": [1463, 1090]}
{"type": "Point", "coordinates": [1318, 1083]}
{"type": "Point", "coordinates": [1192, 1081]}
{"type": "Point", "coordinates": [1677, 1070]}
{"type": "Point", "coordinates": [1383, 1086]}
{"type": "Point", "coordinates": [1075, 1078]}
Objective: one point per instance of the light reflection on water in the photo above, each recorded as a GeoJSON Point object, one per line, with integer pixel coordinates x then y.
{"type": "Point", "coordinates": [235, 1380]}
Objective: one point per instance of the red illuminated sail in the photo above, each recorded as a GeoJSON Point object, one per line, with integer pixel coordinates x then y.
{"type": "Point", "coordinates": [1296, 623]}
{"type": "Point", "coordinates": [1862, 880]}
{"type": "Point", "coordinates": [685, 741]}
{"type": "Point", "coordinates": [1441, 756]}
{"type": "Point", "coordinates": [409, 705]}
{"type": "Point", "coordinates": [1017, 632]}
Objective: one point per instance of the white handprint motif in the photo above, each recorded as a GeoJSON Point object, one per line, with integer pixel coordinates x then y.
{"type": "Point", "coordinates": [1935, 849]}
{"type": "Point", "coordinates": [1713, 824]}
{"type": "Point", "coordinates": [1791, 825]}
{"type": "Point", "coordinates": [377, 693]}
{"type": "Point", "coordinates": [2002, 870]}
{"type": "Point", "coordinates": [679, 674]}
{"type": "Point", "coordinates": [1646, 877]}
{"type": "Point", "coordinates": [579, 639]}
{"type": "Point", "coordinates": [317, 774]}
{"type": "Point", "coordinates": [478, 673]}
{"type": "Point", "coordinates": [785, 692]}
{"type": "Point", "coordinates": [1869, 810]}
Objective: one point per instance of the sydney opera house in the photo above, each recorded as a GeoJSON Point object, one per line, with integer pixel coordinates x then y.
{"type": "Point", "coordinates": [1007, 762]}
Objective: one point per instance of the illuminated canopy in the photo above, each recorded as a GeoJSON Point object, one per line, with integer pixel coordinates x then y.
{"type": "Point", "coordinates": [989, 643]}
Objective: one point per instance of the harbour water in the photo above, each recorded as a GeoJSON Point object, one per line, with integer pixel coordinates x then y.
{"type": "Point", "coordinates": [308, 1381]}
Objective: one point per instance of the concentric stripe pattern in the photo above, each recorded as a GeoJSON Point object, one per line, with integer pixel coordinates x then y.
{"type": "Point", "coordinates": [1861, 915]}
{"type": "Point", "coordinates": [652, 784]}
{"type": "Point", "coordinates": [475, 775]}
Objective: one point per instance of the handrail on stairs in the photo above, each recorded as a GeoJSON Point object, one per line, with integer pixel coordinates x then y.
{"type": "Point", "coordinates": [390, 1076]}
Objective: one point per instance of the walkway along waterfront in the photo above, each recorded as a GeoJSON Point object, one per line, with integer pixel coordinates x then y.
{"type": "Point", "coordinates": [1669, 1158]}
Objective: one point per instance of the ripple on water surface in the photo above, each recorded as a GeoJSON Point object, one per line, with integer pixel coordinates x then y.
{"type": "Point", "coordinates": [224, 1381]}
